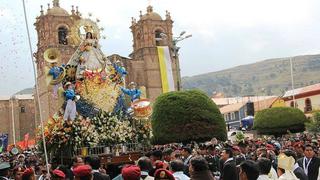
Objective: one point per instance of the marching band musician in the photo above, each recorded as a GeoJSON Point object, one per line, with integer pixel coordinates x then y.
{"type": "Point", "coordinates": [55, 72]}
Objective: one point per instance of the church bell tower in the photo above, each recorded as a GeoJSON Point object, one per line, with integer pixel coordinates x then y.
{"type": "Point", "coordinates": [53, 28]}
{"type": "Point", "coordinates": [149, 32]}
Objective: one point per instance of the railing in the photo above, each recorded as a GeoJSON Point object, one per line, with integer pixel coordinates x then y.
{"type": "Point", "coordinates": [116, 149]}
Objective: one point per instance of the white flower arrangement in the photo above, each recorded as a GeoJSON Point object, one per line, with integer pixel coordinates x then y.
{"type": "Point", "coordinates": [105, 129]}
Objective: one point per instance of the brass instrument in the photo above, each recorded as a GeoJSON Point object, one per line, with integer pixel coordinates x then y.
{"type": "Point", "coordinates": [52, 55]}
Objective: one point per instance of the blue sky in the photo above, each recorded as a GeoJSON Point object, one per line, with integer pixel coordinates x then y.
{"type": "Point", "coordinates": [225, 33]}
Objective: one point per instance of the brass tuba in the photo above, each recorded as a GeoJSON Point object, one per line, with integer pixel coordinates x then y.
{"type": "Point", "coordinates": [52, 55]}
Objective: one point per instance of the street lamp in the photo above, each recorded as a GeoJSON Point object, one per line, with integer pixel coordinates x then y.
{"type": "Point", "coordinates": [175, 50]}
{"type": "Point", "coordinates": [182, 33]}
{"type": "Point", "coordinates": [175, 40]}
{"type": "Point", "coordinates": [178, 39]}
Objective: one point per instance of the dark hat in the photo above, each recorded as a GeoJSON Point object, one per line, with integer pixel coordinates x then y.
{"type": "Point", "coordinates": [163, 174]}
{"type": "Point", "coordinates": [82, 170]}
{"type": "Point", "coordinates": [242, 144]}
{"type": "Point", "coordinates": [157, 153]}
{"type": "Point", "coordinates": [167, 151]}
{"type": "Point", "coordinates": [188, 149]}
{"type": "Point", "coordinates": [131, 172]}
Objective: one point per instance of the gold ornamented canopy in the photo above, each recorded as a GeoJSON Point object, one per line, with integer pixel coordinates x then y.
{"type": "Point", "coordinates": [88, 25]}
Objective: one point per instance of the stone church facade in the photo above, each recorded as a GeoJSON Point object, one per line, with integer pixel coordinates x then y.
{"type": "Point", "coordinates": [17, 114]}
{"type": "Point", "coordinates": [54, 26]}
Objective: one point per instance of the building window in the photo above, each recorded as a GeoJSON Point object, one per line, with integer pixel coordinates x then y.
{"type": "Point", "coordinates": [22, 109]}
{"type": "Point", "coordinates": [158, 37]}
{"type": "Point", "coordinates": [291, 104]}
{"type": "Point", "coordinates": [308, 106]}
{"type": "Point", "coordinates": [226, 117]}
{"type": "Point", "coordinates": [233, 117]}
{"type": "Point", "coordinates": [62, 34]}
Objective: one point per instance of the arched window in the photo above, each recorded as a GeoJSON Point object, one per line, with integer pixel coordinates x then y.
{"type": "Point", "coordinates": [308, 106]}
{"type": "Point", "coordinates": [158, 37]}
{"type": "Point", "coordinates": [291, 104]}
{"type": "Point", "coordinates": [62, 35]}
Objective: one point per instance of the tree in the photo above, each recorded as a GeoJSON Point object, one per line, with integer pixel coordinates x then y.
{"type": "Point", "coordinates": [279, 120]}
{"type": "Point", "coordinates": [314, 125]}
{"type": "Point", "coordinates": [186, 116]}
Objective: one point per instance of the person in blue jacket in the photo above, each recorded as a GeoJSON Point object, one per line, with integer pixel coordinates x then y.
{"type": "Point", "coordinates": [55, 71]}
{"type": "Point", "coordinates": [70, 110]}
{"type": "Point", "coordinates": [121, 71]}
{"type": "Point", "coordinates": [133, 92]}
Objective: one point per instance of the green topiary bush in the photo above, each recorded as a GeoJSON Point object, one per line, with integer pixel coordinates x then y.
{"type": "Point", "coordinates": [279, 120]}
{"type": "Point", "coordinates": [314, 124]}
{"type": "Point", "coordinates": [185, 116]}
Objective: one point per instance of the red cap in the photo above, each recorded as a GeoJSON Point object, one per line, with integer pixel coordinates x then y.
{"type": "Point", "coordinates": [269, 147]}
{"type": "Point", "coordinates": [82, 170]}
{"type": "Point", "coordinates": [298, 144]}
{"type": "Point", "coordinates": [131, 172]}
{"type": "Point", "coordinates": [163, 174]}
{"type": "Point", "coordinates": [159, 164]}
{"type": "Point", "coordinates": [236, 148]}
{"type": "Point", "coordinates": [28, 172]}
{"type": "Point", "coordinates": [59, 173]}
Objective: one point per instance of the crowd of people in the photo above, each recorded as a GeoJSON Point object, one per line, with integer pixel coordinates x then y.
{"type": "Point", "coordinates": [285, 158]}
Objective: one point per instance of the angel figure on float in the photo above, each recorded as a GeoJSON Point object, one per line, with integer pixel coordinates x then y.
{"type": "Point", "coordinates": [120, 72]}
{"type": "Point", "coordinates": [81, 67]}
{"type": "Point", "coordinates": [134, 95]}
{"type": "Point", "coordinates": [70, 111]}
{"type": "Point", "coordinates": [133, 92]}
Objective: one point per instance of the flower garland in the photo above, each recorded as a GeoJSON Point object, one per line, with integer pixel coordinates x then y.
{"type": "Point", "coordinates": [103, 129]}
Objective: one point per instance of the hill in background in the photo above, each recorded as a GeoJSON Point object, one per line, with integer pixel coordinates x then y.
{"type": "Point", "coordinates": [268, 77]}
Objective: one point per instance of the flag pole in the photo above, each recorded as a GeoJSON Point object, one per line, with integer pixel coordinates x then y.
{"type": "Point", "coordinates": [13, 121]}
{"type": "Point", "coordinates": [292, 83]}
{"type": "Point", "coordinates": [36, 85]}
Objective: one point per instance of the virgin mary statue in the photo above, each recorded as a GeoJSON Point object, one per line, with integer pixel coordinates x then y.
{"type": "Point", "coordinates": [92, 56]}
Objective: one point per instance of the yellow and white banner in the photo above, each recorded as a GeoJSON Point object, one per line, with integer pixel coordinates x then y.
{"type": "Point", "coordinates": [165, 69]}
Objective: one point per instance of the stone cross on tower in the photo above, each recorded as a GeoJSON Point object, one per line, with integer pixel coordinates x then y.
{"type": "Point", "coordinates": [55, 3]}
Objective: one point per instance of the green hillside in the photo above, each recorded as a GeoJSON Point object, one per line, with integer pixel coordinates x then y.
{"type": "Point", "coordinates": [268, 77]}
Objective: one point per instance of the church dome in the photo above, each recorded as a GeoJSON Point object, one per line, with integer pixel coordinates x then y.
{"type": "Point", "coordinates": [151, 15]}
{"type": "Point", "coordinates": [57, 11]}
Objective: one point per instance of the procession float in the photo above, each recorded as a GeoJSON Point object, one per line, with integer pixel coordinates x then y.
{"type": "Point", "coordinates": [100, 113]}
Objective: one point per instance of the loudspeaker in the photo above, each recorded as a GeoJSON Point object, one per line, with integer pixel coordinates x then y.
{"type": "Point", "coordinates": [250, 109]}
